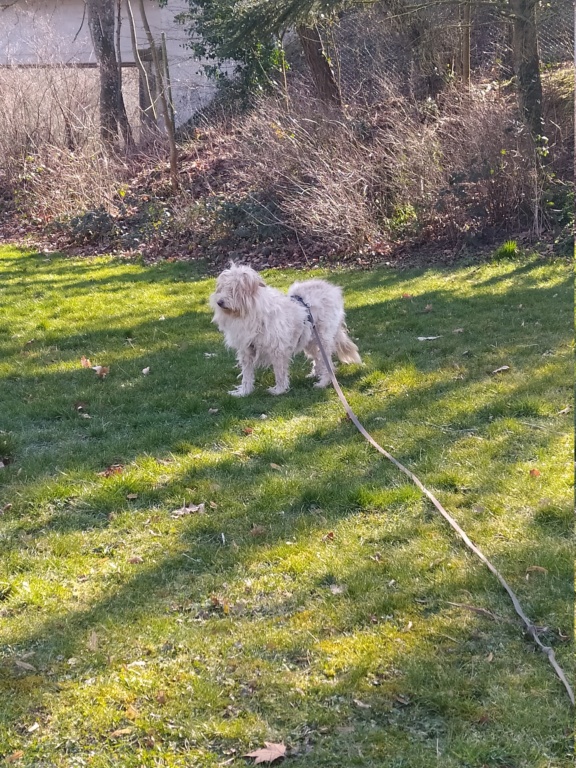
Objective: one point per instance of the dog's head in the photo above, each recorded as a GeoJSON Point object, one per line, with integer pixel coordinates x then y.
{"type": "Point", "coordinates": [236, 290]}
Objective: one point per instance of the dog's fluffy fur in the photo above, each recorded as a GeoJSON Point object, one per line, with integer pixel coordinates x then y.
{"type": "Point", "coordinates": [267, 328]}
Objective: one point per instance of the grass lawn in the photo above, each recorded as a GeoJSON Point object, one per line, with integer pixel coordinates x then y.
{"type": "Point", "coordinates": [317, 599]}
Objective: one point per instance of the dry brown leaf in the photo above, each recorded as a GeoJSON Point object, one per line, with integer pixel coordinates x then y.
{"type": "Point", "coordinates": [407, 296]}
{"type": "Point", "coordinates": [361, 704]}
{"type": "Point", "coordinates": [458, 330]}
{"type": "Point", "coordinates": [275, 466]}
{"type": "Point", "coordinates": [213, 505]}
{"type": "Point", "coordinates": [24, 665]}
{"type": "Point", "coordinates": [428, 308]}
{"type": "Point", "coordinates": [132, 713]}
{"type": "Point", "coordinates": [101, 370]}
{"type": "Point", "coordinates": [536, 569]}
{"type": "Point", "coordinates": [490, 657]}
{"type": "Point", "coordinates": [269, 753]}
{"type": "Point", "coordinates": [502, 369]}
{"type": "Point", "coordinates": [113, 469]}
{"type": "Point", "coordinates": [247, 430]}
{"type": "Point", "coordinates": [535, 472]}
{"type": "Point", "coordinates": [93, 641]}
{"type": "Point", "coordinates": [330, 536]}
{"type": "Point", "coordinates": [136, 559]}
{"type": "Point", "coordinates": [189, 509]}
{"type": "Point", "coordinates": [258, 530]}
{"type": "Point", "coordinates": [6, 507]}
{"type": "Point", "coordinates": [120, 732]}
{"type": "Point", "coordinates": [85, 363]}
{"type": "Point", "coordinates": [161, 697]}
{"type": "Point", "coordinates": [18, 755]}
{"type": "Point", "coordinates": [132, 496]}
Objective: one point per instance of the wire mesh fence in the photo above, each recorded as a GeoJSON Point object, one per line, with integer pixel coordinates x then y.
{"type": "Point", "coordinates": [425, 48]}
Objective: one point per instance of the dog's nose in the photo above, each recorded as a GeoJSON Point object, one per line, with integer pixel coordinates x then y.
{"type": "Point", "coordinates": [220, 303]}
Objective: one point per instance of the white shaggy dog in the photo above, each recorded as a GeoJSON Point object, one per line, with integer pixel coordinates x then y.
{"type": "Point", "coordinates": [267, 328]}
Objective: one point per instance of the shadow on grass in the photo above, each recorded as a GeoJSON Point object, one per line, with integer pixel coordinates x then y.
{"type": "Point", "coordinates": [166, 413]}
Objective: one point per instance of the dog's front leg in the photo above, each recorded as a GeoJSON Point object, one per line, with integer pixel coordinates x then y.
{"type": "Point", "coordinates": [246, 360]}
{"type": "Point", "coordinates": [281, 375]}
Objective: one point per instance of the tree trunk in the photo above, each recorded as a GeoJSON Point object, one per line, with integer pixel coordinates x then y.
{"type": "Point", "coordinates": [163, 101]}
{"type": "Point", "coordinates": [112, 110]}
{"type": "Point", "coordinates": [527, 63]}
{"type": "Point", "coordinates": [326, 86]}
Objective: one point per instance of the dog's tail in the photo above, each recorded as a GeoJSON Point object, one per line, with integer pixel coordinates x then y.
{"type": "Point", "coordinates": [346, 350]}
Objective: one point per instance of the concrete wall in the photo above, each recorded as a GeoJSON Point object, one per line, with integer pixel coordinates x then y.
{"type": "Point", "coordinates": [44, 32]}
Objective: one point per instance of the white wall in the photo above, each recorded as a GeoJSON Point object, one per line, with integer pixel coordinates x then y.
{"type": "Point", "coordinates": [56, 31]}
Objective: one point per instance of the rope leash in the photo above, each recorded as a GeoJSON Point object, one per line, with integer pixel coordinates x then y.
{"type": "Point", "coordinates": [530, 627]}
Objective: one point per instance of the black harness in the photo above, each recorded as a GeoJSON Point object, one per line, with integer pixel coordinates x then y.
{"type": "Point", "coordinates": [300, 300]}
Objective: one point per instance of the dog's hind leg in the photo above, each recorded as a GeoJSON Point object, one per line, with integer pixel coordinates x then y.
{"type": "Point", "coordinates": [281, 375]}
{"type": "Point", "coordinates": [318, 366]}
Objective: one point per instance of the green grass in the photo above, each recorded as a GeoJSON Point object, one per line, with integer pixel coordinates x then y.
{"type": "Point", "coordinates": [313, 602]}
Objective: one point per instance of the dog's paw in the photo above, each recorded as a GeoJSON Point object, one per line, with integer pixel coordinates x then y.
{"type": "Point", "coordinates": [278, 390]}
{"type": "Point", "coordinates": [239, 392]}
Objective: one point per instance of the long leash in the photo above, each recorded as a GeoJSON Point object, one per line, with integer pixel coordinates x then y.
{"type": "Point", "coordinates": [530, 627]}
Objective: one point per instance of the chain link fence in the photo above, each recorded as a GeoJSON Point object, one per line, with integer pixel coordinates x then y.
{"type": "Point", "coordinates": [423, 49]}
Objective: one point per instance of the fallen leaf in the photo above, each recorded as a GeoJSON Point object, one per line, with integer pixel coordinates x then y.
{"type": "Point", "coordinates": [161, 697]}
{"type": "Point", "coordinates": [427, 338]}
{"type": "Point", "coordinates": [101, 370]}
{"type": "Point", "coordinates": [132, 496]}
{"type": "Point", "coordinates": [136, 559]}
{"type": "Point", "coordinates": [132, 713]}
{"type": "Point", "coordinates": [213, 505]}
{"type": "Point", "coordinates": [330, 536]}
{"type": "Point", "coordinates": [458, 330]}
{"type": "Point", "coordinates": [120, 732]}
{"type": "Point", "coordinates": [18, 755]}
{"type": "Point", "coordinates": [113, 469]}
{"type": "Point", "coordinates": [247, 430]}
{"type": "Point", "coordinates": [490, 657]}
{"type": "Point", "coordinates": [189, 509]}
{"type": "Point", "coordinates": [269, 753]}
{"type": "Point", "coordinates": [33, 728]}
{"type": "Point", "coordinates": [220, 602]}
{"type": "Point", "coordinates": [258, 530]}
{"type": "Point", "coordinates": [361, 704]}
{"type": "Point", "coordinates": [536, 569]}
{"type": "Point", "coordinates": [146, 371]}
{"type": "Point", "coordinates": [263, 416]}
{"type": "Point", "coordinates": [93, 641]}
{"type": "Point", "coordinates": [337, 589]}
{"type": "Point", "coordinates": [6, 507]}
{"type": "Point", "coordinates": [212, 410]}
{"type": "Point", "coordinates": [407, 296]}
{"type": "Point", "coordinates": [275, 466]}
{"type": "Point", "coordinates": [535, 473]}
{"type": "Point", "coordinates": [564, 411]}
{"type": "Point", "coordinates": [85, 363]}
{"type": "Point", "coordinates": [428, 308]}
{"type": "Point", "coordinates": [402, 700]}
{"type": "Point", "coordinates": [502, 369]}
{"type": "Point", "coordinates": [134, 664]}
{"type": "Point", "coordinates": [25, 665]}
